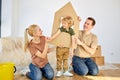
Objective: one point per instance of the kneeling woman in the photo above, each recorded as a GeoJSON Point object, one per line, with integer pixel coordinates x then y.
{"type": "Point", "coordinates": [38, 48]}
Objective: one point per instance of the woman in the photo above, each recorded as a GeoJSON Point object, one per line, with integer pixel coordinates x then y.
{"type": "Point", "coordinates": [38, 48]}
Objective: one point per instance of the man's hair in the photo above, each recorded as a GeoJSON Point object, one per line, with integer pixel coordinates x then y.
{"type": "Point", "coordinates": [93, 20]}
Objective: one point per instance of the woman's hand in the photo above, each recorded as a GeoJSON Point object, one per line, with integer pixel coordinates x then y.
{"type": "Point", "coordinates": [48, 39]}
{"type": "Point", "coordinates": [51, 49]}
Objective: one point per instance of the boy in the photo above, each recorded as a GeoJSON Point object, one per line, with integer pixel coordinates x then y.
{"type": "Point", "coordinates": [62, 52]}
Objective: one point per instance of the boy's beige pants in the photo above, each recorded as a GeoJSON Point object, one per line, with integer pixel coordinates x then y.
{"type": "Point", "coordinates": [62, 54]}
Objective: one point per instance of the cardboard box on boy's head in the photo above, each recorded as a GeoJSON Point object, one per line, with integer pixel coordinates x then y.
{"type": "Point", "coordinates": [64, 38]}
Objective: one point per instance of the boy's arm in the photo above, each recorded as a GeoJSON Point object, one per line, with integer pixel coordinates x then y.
{"type": "Point", "coordinates": [55, 35]}
{"type": "Point", "coordinates": [73, 46]}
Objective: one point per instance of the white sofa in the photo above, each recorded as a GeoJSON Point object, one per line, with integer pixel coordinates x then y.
{"type": "Point", "coordinates": [11, 50]}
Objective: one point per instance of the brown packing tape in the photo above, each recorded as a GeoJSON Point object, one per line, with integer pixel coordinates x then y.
{"type": "Point", "coordinates": [63, 38]}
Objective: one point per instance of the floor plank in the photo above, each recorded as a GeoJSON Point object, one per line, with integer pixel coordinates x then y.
{"type": "Point", "coordinates": [103, 75]}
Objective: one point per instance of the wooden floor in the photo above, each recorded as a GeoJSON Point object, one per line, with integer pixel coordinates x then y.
{"type": "Point", "coordinates": [103, 75]}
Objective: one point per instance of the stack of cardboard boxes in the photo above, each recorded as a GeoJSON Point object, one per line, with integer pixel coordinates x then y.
{"type": "Point", "coordinates": [97, 57]}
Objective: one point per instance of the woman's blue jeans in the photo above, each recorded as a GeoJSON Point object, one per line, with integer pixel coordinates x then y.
{"type": "Point", "coordinates": [84, 66]}
{"type": "Point", "coordinates": [37, 73]}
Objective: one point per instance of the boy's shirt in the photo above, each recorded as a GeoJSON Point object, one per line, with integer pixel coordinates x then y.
{"type": "Point", "coordinates": [70, 31]}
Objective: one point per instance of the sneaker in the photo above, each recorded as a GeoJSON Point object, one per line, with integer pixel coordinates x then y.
{"type": "Point", "coordinates": [59, 73]}
{"type": "Point", "coordinates": [27, 75]}
{"type": "Point", "coordinates": [67, 73]}
{"type": "Point", "coordinates": [23, 73]}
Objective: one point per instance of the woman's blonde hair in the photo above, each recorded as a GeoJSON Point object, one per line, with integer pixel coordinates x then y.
{"type": "Point", "coordinates": [69, 20]}
{"type": "Point", "coordinates": [30, 30]}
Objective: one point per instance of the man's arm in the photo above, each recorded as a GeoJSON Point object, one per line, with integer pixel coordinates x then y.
{"type": "Point", "coordinates": [87, 48]}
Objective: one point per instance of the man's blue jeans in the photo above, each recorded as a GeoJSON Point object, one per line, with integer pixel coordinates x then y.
{"type": "Point", "coordinates": [36, 73]}
{"type": "Point", "coordinates": [84, 66]}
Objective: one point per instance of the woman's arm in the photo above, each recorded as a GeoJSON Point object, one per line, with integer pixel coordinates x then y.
{"type": "Point", "coordinates": [44, 53]}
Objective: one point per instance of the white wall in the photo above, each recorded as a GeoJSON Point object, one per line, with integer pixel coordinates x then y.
{"type": "Point", "coordinates": [15, 18]}
{"type": "Point", "coordinates": [6, 18]}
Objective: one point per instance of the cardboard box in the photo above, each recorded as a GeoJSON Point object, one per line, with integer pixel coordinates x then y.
{"type": "Point", "coordinates": [66, 10]}
{"type": "Point", "coordinates": [97, 52]}
{"type": "Point", "coordinates": [99, 60]}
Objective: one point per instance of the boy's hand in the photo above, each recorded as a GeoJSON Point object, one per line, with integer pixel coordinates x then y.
{"type": "Point", "coordinates": [61, 45]}
{"type": "Point", "coordinates": [71, 55]}
{"type": "Point", "coordinates": [75, 40]}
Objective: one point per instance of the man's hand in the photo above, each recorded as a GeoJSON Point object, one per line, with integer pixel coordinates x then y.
{"type": "Point", "coordinates": [79, 19]}
{"type": "Point", "coordinates": [79, 42]}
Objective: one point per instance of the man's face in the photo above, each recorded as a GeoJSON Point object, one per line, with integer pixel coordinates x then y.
{"type": "Point", "coordinates": [88, 25]}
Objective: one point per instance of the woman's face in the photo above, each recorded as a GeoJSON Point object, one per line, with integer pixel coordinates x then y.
{"type": "Point", "coordinates": [38, 31]}
{"type": "Point", "coordinates": [88, 25]}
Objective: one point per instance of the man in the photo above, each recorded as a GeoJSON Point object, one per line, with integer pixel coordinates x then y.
{"type": "Point", "coordinates": [86, 46]}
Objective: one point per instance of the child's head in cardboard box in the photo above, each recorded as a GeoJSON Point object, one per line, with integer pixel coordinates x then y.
{"type": "Point", "coordinates": [67, 22]}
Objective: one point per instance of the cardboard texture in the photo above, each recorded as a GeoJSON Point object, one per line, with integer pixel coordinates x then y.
{"type": "Point", "coordinates": [97, 52]}
{"type": "Point", "coordinates": [99, 60]}
{"type": "Point", "coordinates": [64, 38]}
{"type": "Point", "coordinates": [97, 57]}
